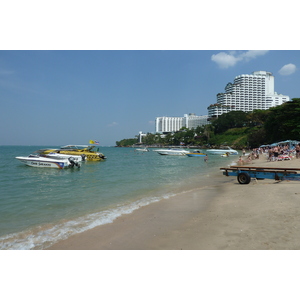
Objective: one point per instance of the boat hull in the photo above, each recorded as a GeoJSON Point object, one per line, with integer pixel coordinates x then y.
{"type": "Point", "coordinates": [172, 152]}
{"type": "Point", "coordinates": [41, 163]}
{"type": "Point", "coordinates": [48, 162]}
{"type": "Point", "coordinates": [196, 154]}
{"type": "Point", "coordinates": [222, 151]}
{"type": "Point", "coordinates": [142, 150]}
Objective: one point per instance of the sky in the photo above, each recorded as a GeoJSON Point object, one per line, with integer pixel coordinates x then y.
{"type": "Point", "coordinates": [105, 73]}
{"type": "Point", "coordinates": [69, 96]}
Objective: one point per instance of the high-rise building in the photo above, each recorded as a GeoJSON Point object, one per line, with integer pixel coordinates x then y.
{"type": "Point", "coordinates": [246, 93]}
{"type": "Point", "coordinates": [192, 121]}
{"type": "Point", "coordinates": [168, 124]}
{"type": "Point", "coordinates": [173, 124]}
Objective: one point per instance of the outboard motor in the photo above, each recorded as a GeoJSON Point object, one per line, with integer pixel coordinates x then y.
{"type": "Point", "coordinates": [83, 156]}
{"type": "Point", "coordinates": [102, 156]}
{"type": "Point", "coordinates": [73, 162]}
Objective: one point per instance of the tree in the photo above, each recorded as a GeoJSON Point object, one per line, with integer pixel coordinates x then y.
{"type": "Point", "coordinates": [126, 142]}
{"type": "Point", "coordinates": [257, 117]}
{"type": "Point", "coordinates": [208, 132]}
{"type": "Point", "coordinates": [283, 121]}
{"type": "Point", "coordinates": [232, 119]}
{"type": "Point", "coordinates": [256, 137]}
{"type": "Point", "coordinates": [150, 139]}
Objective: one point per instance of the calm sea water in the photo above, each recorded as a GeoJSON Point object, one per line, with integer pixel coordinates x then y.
{"type": "Point", "coordinates": [41, 206]}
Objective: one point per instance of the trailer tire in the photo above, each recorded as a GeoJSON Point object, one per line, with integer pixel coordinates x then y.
{"type": "Point", "coordinates": [243, 178]}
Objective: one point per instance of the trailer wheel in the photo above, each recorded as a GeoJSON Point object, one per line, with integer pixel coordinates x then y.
{"type": "Point", "coordinates": [243, 178]}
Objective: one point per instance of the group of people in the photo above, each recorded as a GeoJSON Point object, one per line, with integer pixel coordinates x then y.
{"type": "Point", "coordinates": [247, 158]}
{"type": "Point", "coordinates": [274, 153]}
{"type": "Point", "coordinates": [282, 152]}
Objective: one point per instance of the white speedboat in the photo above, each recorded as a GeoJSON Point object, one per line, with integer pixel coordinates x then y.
{"type": "Point", "coordinates": [226, 150]}
{"type": "Point", "coordinates": [173, 151]}
{"type": "Point", "coordinates": [48, 162]}
{"type": "Point", "coordinates": [141, 149]}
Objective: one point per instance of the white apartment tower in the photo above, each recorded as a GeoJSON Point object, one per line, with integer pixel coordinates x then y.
{"type": "Point", "coordinates": [192, 121]}
{"type": "Point", "coordinates": [173, 124]}
{"type": "Point", "coordinates": [168, 124]}
{"type": "Point", "coordinates": [246, 93]}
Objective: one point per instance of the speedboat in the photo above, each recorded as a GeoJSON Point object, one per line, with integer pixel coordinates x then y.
{"type": "Point", "coordinates": [173, 151]}
{"type": "Point", "coordinates": [48, 162]}
{"type": "Point", "coordinates": [196, 153]}
{"type": "Point", "coordinates": [226, 150]}
{"type": "Point", "coordinates": [142, 149]}
{"type": "Point", "coordinates": [225, 154]}
{"type": "Point", "coordinates": [89, 152]}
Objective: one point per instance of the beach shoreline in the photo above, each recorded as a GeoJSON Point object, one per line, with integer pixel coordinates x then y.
{"type": "Point", "coordinates": [221, 215]}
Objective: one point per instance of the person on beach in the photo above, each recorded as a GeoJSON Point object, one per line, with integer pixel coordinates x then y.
{"type": "Point", "coordinates": [270, 154]}
{"type": "Point", "coordinates": [276, 152]}
{"type": "Point", "coordinates": [297, 151]}
{"type": "Point", "coordinates": [240, 161]}
{"type": "Point", "coordinates": [206, 158]}
{"type": "Point", "coordinates": [249, 159]}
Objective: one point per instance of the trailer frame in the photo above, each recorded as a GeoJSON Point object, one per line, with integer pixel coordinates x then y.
{"type": "Point", "coordinates": [244, 174]}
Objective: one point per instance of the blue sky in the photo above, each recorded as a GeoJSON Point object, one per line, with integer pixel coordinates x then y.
{"type": "Point", "coordinates": [62, 97]}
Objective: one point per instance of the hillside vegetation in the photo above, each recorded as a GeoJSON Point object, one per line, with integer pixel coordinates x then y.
{"type": "Point", "coordinates": [237, 129]}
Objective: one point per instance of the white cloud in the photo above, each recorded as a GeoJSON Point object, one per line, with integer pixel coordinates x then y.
{"type": "Point", "coordinates": [225, 60]}
{"type": "Point", "coordinates": [252, 54]}
{"type": "Point", "coordinates": [287, 69]}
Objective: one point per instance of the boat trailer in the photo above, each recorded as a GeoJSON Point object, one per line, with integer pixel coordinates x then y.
{"type": "Point", "coordinates": [244, 174]}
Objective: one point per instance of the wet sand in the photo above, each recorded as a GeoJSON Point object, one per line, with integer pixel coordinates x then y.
{"type": "Point", "coordinates": [223, 215]}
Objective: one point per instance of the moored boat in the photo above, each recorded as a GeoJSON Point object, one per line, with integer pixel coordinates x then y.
{"type": "Point", "coordinates": [196, 153]}
{"type": "Point", "coordinates": [226, 150]}
{"type": "Point", "coordinates": [90, 152]}
{"type": "Point", "coordinates": [48, 162]}
{"type": "Point", "coordinates": [142, 149]}
{"type": "Point", "coordinates": [173, 151]}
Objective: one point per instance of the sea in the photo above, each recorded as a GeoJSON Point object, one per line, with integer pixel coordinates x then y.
{"type": "Point", "coordinates": [41, 206]}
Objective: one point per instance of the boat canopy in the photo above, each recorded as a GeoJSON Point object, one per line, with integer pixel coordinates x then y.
{"type": "Point", "coordinates": [78, 147]}
{"type": "Point", "coordinates": [75, 146]}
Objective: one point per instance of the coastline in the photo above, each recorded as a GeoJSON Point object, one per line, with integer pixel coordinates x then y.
{"type": "Point", "coordinates": [222, 215]}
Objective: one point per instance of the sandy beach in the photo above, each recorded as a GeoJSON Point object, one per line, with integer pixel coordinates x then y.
{"type": "Point", "coordinates": [223, 215]}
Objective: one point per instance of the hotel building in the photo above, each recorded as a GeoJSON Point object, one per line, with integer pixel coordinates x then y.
{"type": "Point", "coordinates": [246, 93]}
{"type": "Point", "coordinates": [173, 124]}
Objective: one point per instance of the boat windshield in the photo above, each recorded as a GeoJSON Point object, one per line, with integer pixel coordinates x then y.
{"type": "Point", "coordinates": [74, 147]}
{"type": "Point", "coordinates": [79, 147]}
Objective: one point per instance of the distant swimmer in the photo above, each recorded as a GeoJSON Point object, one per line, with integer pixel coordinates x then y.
{"type": "Point", "coordinates": [206, 158]}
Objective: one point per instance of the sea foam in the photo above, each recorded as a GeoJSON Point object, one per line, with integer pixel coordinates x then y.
{"type": "Point", "coordinates": [42, 237]}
